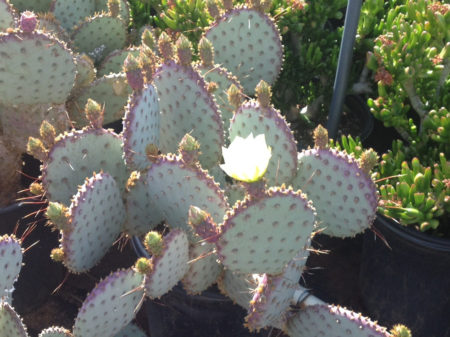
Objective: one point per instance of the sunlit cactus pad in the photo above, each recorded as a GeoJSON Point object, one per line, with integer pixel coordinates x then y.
{"type": "Point", "coordinates": [239, 287]}
{"type": "Point", "coordinates": [110, 91]}
{"type": "Point", "coordinates": [263, 234]}
{"type": "Point", "coordinates": [174, 187]}
{"type": "Point", "coordinates": [102, 5]}
{"type": "Point", "coordinates": [10, 262]}
{"type": "Point", "coordinates": [31, 5]}
{"type": "Point", "coordinates": [97, 215]}
{"type": "Point", "coordinates": [169, 267]}
{"type": "Point", "coordinates": [344, 196]}
{"type": "Point", "coordinates": [111, 305]}
{"type": "Point", "coordinates": [99, 35]}
{"type": "Point", "coordinates": [331, 321]}
{"type": "Point", "coordinates": [7, 16]}
{"type": "Point", "coordinates": [113, 63]}
{"type": "Point", "coordinates": [251, 118]}
{"type": "Point", "coordinates": [34, 68]}
{"type": "Point", "coordinates": [187, 107]}
{"type": "Point", "coordinates": [140, 126]}
{"type": "Point", "coordinates": [55, 332]}
{"type": "Point", "coordinates": [131, 330]}
{"type": "Point", "coordinates": [75, 156]}
{"type": "Point", "coordinates": [48, 23]}
{"type": "Point", "coordinates": [248, 44]}
{"type": "Point", "coordinates": [86, 72]}
{"type": "Point", "coordinates": [10, 322]}
{"type": "Point", "coordinates": [203, 268]}
{"type": "Point", "coordinates": [70, 12]}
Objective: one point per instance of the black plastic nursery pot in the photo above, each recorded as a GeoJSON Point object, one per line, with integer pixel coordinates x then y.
{"type": "Point", "coordinates": [408, 281]}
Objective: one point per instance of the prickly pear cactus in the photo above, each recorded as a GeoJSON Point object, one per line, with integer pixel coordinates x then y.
{"type": "Point", "coordinates": [102, 5]}
{"type": "Point", "coordinates": [7, 16]}
{"type": "Point", "coordinates": [70, 12]}
{"type": "Point", "coordinates": [10, 263]}
{"type": "Point", "coordinates": [111, 305]}
{"type": "Point", "coordinates": [10, 322]}
{"type": "Point", "coordinates": [333, 321]}
{"type": "Point", "coordinates": [247, 43]}
{"type": "Point", "coordinates": [238, 287]}
{"type": "Point", "coordinates": [113, 63]}
{"type": "Point", "coordinates": [86, 73]}
{"type": "Point", "coordinates": [262, 234]}
{"type": "Point", "coordinates": [32, 5]}
{"type": "Point", "coordinates": [55, 332]}
{"type": "Point", "coordinates": [48, 23]}
{"type": "Point", "coordinates": [141, 126]}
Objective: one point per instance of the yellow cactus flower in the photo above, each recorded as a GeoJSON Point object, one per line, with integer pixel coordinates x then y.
{"type": "Point", "coordinates": [246, 159]}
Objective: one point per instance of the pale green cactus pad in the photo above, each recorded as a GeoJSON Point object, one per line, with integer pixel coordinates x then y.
{"type": "Point", "coordinates": [111, 305]}
{"type": "Point", "coordinates": [102, 5]}
{"type": "Point", "coordinates": [274, 294]}
{"type": "Point", "coordinates": [187, 107]}
{"type": "Point", "coordinates": [99, 35]}
{"type": "Point", "coordinates": [264, 233]}
{"type": "Point", "coordinates": [331, 321]}
{"type": "Point", "coordinates": [32, 5]}
{"type": "Point", "coordinates": [131, 330]}
{"type": "Point", "coordinates": [140, 126]}
{"type": "Point", "coordinates": [170, 266]}
{"type": "Point", "coordinates": [75, 156]}
{"type": "Point", "coordinates": [344, 196]}
{"type": "Point", "coordinates": [142, 215]}
{"type": "Point", "coordinates": [223, 79]}
{"type": "Point", "coordinates": [35, 68]}
{"type": "Point", "coordinates": [48, 23]}
{"type": "Point", "coordinates": [235, 192]}
{"type": "Point", "coordinates": [203, 268]}
{"type": "Point", "coordinates": [10, 322]}
{"type": "Point", "coordinates": [247, 43]}
{"type": "Point", "coordinates": [174, 187]}
{"type": "Point", "coordinates": [10, 262]}
{"type": "Point", "coordinates": [110, 91]}
{"type": "Point", "coordinates": [239, 287]}
{"type": "Point", "coordinates": [113, 63]}
{"type": "Point", "coordinates": [86, 73]}
{"type": "Point", "coordinates": [97, 215]}
{"type": "Point", "coordinates": [7, 16]}
{"type": "Point", "coordinates": [55, 332]}
{"type": "Point", "coordinates": [70, 12]}
{"type": "Point", "coordinates": [251, 118]}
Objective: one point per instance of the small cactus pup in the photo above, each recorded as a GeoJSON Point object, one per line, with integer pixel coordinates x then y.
{"type": "Point", "coordinates": [260, 117]}
{"type": "Point", "coordinates": [55, 332]}
{"type": "Point", "coordinates": [186, 107]}
{"type": "Point", "coordinates": [113, 63]}
{"type": "Point", "coordinates": [10, 263]}
{"type": "Point", "coordinates": [247, 43]}
{"type": "Point", "coordinates": [10, 322]}
{"type": "Point", "coordinates": [111, 305]}
{"type": "Point", "coordinates": [91, 224]}
{"type": "Point", "coordinates": [340, 188]}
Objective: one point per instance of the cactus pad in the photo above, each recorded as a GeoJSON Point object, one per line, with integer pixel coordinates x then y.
{"type": "Point", "coordinates": [174, 187]}
{"type": "Point", "coordinates": [252, 118]}
{"type": "Point", "coordinates": [34, 68]}
{"type": "Point", "coordinates": [102, 5]}
{"type": "Point", "coordinates": [328, 320]}
{"type": "Point", "coordinates": [131, 330]}
{"type": "Point", "coordinates": [10, 322]}
{"type": "Point", "coordinates": [238, 287]}
{"type": "Point", "coordinates": [169, 267]}
{"type": "Point", "coordinates": [248, 44]}
{"type": "Point", "coordinates": [344, 196]}
{"type": "Point", "coordinates": [140, 126]}
{"type": "Point", "coordinates": [110, 91]}
{"type": "Point", "coordinates": [10, 262]}
{"type": "Point", "coordinates": [113, 63]}
{"type": "Point", "coordinates": [34, 5]}
{"type": "Point", "coordinates": [263, 234]}
{"type": "Point", "coordinates": [7, 17]}
{"type": "Point", "coordinates": [111, 305]}
{"type": "Point", "coordinates": [75, 156]}
{"type": "Point", "coordinates": [55, 332]}
{"type": "Point", "coordinates": [86, 72]}
{"type": "Point", "coordinates": [187, 107]}
{"type": "Point", "coordinates": [97, 214]}
{"type": "Point", "coordinates": [70, 12]}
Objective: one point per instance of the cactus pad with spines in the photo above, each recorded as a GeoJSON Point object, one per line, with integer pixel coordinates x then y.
{"type": "Point", "coordinates": [131, 330]}
{"type": "Point", "coordinates": [113, 63]}
{"type": "Point", "coordinates": [48, 23]}
{"type": "Point", "coordinates": [252, 118]}
{"type": "Point", "coordinates": [102, 5]}
{"type": "Point", "coordinates": [99, 35]}
{"type": "Point", "coordinates": [86, 73]}
{"type": "Point", "coordinates": [7, 17]}
{"type": "Point", "coordinates": [170, 266]}
{"type": "Point", "coordinates": [238, 287]}
{"type": "Point", "coordinates": [34, 5]}
{"type": "Point", "coordinates": [174, 187]}
{"type": "Point", "coordinates": [111, 305]}
{"type": "Point", "coordinates": [329, 320]}
{"type": "Point", "coordinates": [55, 332]}
{"type": "Point", "coordinates": [10, 322]}
{"type": "Point", "coordinates": [140, 126]}
{"type": "Point", "coordinates": [203, 268]}
{"type": "Point", "coordinates": [70, 12]}
{"type": "Point", "coordinates": [262, 234]}
{"type": "Point", "coordinates": [35, 68]}
{"type": "Point", "coordinates": [248, 44]}
{"type": "Point", "coordinates": [10, 262]}
{"type": "Point", "coordinates": [344, 196]}
{"type": "Point", "coordinates": [187, 107]}
{"type": "Point", "coordinates": [110, 90]}
{"type": "Point", "coordinates": [97, 215]}
{"type": "Point", "coordinates": [75, 156]}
